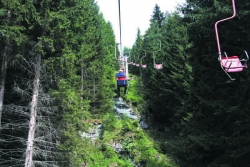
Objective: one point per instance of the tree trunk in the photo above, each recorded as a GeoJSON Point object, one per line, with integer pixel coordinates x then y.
{"type": "Point", "coordinates": [3, 69]}
{"type": "Point", "coordinates": [33, 114]}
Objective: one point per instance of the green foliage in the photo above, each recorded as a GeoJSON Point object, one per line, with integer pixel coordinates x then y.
{"type": "Point", "coordinates": [189, 94]}
{"type": "Point", "coordinates": [136, 144]}
{"type": "Point", "coordinates": [171, 84]}
{"type": "Point", "coordinates": [73, 39]}
{"type": "Point", "coordinates": [209, 119]}
{"type": "Point", "coordinates": [157, 17]}
{"type": "Point", "coordinates": [135, 91]}
{"type": "Point", "coordinates": [204, 132]}
{"type": "Point", "coordinates": [111, 122]}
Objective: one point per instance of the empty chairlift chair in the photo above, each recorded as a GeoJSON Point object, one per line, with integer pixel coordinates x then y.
{"type": "Point", "coordinates": [157, 66]}
{"type": "Point", "coordinates": [230, 64]}
{"type": "Point", "coordinates": [233, 63]}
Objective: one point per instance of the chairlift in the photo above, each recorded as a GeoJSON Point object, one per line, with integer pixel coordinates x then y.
{"type": "Point", "coordinates": [143, 65]}
{"type": "Point", "coordinates": [230, 64]}
{"type": "Point", "coordinates": [157, 66]}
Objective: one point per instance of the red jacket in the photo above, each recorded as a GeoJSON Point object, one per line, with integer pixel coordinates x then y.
{"type": "Point", "coordinates": [121, 78]}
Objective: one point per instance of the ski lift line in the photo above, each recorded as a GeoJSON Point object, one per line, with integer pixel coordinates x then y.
{"type": "Point", "coordinates": [120, 26]}
{"type": "Point", "coordinates": [120, 60]}
{"type": "Point", "coordinates": [216, 27]}
{"type": "Point", "coordinates": [125, 58]}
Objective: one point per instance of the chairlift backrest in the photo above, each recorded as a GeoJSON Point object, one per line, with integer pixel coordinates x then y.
{"type": "Point", "coordinates": [158, 66]}
{"type": "Point", "coordinates": [232, 64]}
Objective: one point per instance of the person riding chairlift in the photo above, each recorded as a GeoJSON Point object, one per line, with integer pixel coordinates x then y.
{"type": "Point", "coordinates": [121, 81]}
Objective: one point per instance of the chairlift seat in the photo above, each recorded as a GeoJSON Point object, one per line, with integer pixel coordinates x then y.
{"type": "Point", "coordinates": [232, 64]}
{"type": "Point", "coordinates": [158, 66]}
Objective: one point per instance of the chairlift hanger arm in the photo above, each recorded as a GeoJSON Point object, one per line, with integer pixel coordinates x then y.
{"type": "Point", "coordinates": [160, 47]}
{"type": "Point", "coordinates": [160, 44]}
{"type": "Point", "coordinates": [157, 66]}
{"type": "Point", "coordinates": [216, 27]}
{"type": "Point", "coordinates": [156, 51]}
{"type": "Point", "coordinates": [144, 55]}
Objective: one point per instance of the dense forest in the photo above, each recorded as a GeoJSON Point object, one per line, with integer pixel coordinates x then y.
{"type": "Point", "coordinates": [57, 66]}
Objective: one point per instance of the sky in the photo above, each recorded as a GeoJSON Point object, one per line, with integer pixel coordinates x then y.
{"type": "Point", "coordinates": [134, 14]}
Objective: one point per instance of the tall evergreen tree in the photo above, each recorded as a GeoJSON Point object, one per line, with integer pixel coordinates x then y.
{"type": "Point", "coordinates": [14, 15]}
{"type": "Point", "coordinates": [166, 42]}
{"type": "Point", "coordinates": [136, 52]}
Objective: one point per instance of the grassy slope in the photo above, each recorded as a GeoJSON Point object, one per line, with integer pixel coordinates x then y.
{"type": "Point", "coordinates": [138, 145]}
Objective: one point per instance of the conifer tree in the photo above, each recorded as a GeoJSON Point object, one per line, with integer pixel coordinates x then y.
{"type": "Point", "coordinates": [13, 14]}
{"type": "Point", "coordinates": [167, 90]}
